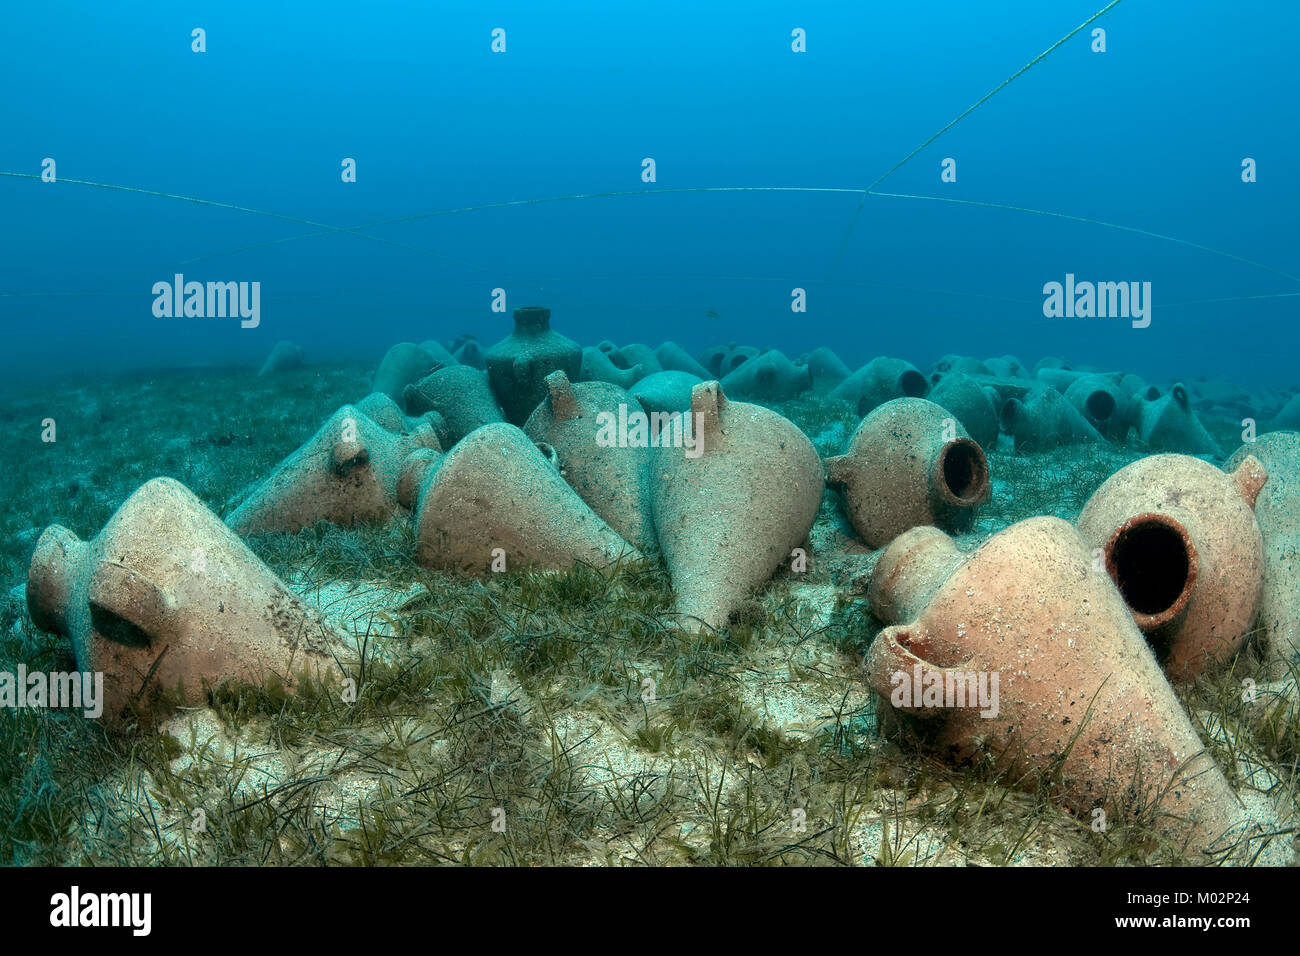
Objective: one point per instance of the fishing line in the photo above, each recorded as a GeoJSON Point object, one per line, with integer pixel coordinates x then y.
{"type": "Point", "coordinates": [863, 193]}
{"type": "Point", "coordinates": [852, 283]}
{"type": "Point", "coordinates": [613, 194]}
{"type": "Point", "coordinates": [1231, 298]}
{"type": "Point", "coordinates": [1095, 222]}
{"type": "Point", "coordinates": [616, 194]}
{"type": "Point", "coordinates": [970, 109]}
{"type": "Point", "coordinates": [799, 189]}
{"type": "Point", "coordinates": [501, 204]}
{"type": "Point", "coordinates": [25, 295]}
{"type": "Point", "coordinates": [164, 195]}
{"type": "Point", "coordinates": [642, 277]}
{"type": "Point", "coordinates": [675, 277]}
{"type": "Point", "coordinates": [713, 189]}
{"type": "Point", "coordinates": [329, 230]}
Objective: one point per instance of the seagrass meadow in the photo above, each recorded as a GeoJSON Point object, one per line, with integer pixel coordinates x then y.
{"type": "Point", "coordinates": [522, 696]}
{"type": "Point", "coordinates": [719, 434]}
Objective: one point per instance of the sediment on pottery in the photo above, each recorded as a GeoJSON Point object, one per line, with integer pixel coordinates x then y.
{"type": "Point", "coordinates": [881, 380]}
{"type": "Point", "coordinates": [909, 571]}
{"type": "Point", "coordinates": [1006, 366]}
{"type": "Point", "coordinates": [440, 353]}
{"type": "Point", "coordinates": [517, 366]}
{"type": "Point", "coordinates": [167, 599]}
{"type": "Point", "coordinates": [496, 502]}
{"type": "Point", "coordinates": [1167, 423]}
{"type": "Point", "coordinates": [460, 394]}
{"type": "Point", "coordinates": [731, 506]}
{"type": "Point", "coordinates": [734, 357]}
{"type": "Point", "coordinates": [1041, 419]}
{"type": "Point", "coordinates": [1277, 511]}
{"type": "Point", "coordinates": [1100, 400]}
{"type": "Point", "coordinates": [910, 463]}
{"type": "Point", "coordinates": [1059, 378]}
{"type": "Point", "coordinates": [1080, 702]}
{"type": "Point", "coordinates": [596, 367]}
{"type": "Point", "coordinates": [665, 391]}
{"type": "Point", "coordinates": [825, 368]}
{"type": "Point", "coordinates": [412, 478]}
{"type": "Point", "coordinates": [770, 377]}
{"type": "Point", "coordinates": [1131, 384]}
{"type": "Point", "coordinates": [957, 365]}
{"type": "Point", "coordinates": [610, 471]}
{"type": "Point", "coordinates": [1179, 538]}
{"type": "Point", "coordinates": [971, 403]}
{"type": "Point", "coordinates": [636, 355]}
{"type": "Point", "coordinates": [470, 352]}
{"type": "Point", "coordinates": [673, 358]}
{"type": "Point", "coordinates": [385, 412]}
{"type": "Point", "coordinates": [712, 359]}
{"type": "Point", "coordinates": [402, 364]}
{"type": "Point", "coordinates": [345, 474]}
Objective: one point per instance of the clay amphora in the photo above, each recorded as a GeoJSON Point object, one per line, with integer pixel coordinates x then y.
{"type": "Point", "coordinates": [517, 366]}
{"type": "Point", "coordinates": [167, 598]}
{"type": "Point", "coordinates": [1027, 658]}
{"type": "Point", "coordinates": [1180, 539]}
{"type": "Point", "coordinates": [910, 463]}
{"type": "Point", "coordinates": [732, 504]}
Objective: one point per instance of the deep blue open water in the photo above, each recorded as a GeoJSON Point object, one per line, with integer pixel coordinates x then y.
{"type": "Point", "coordinates": [1149, 135]}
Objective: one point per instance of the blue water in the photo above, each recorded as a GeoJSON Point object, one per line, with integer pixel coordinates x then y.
{"type": "Point", "coordinates": [1150, 135]}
